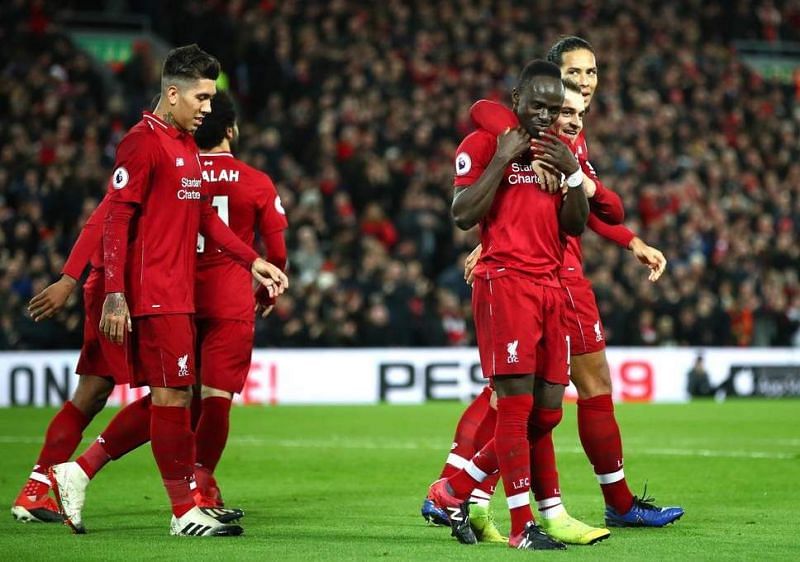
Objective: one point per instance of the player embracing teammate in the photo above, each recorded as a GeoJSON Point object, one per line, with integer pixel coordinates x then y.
{"type": "Point", "coordinates": [598, 429]}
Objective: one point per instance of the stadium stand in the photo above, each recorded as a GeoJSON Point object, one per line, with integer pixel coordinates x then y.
{"type": "Point", "coordinates": [355, 112]}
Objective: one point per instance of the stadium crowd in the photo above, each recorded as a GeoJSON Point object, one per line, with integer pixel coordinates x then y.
{"type": "Point", "coordinates": [356, 111]}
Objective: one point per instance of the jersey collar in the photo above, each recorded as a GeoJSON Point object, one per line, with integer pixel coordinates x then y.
{"type": "Point", "coordinates": [155, 121]}
{"type": "Point", "coordinates": [206, 154]}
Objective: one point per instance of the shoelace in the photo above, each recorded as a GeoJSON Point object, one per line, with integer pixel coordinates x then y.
{"type": "Point", "coordinates": [646, 502]}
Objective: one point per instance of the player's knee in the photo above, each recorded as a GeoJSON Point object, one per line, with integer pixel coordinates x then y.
{"type": "Point", "coordinates": [176, 397]}
{"type": "Point", "coordinates": [591, 375]}
{"type": "Point", "coordinates": [543, 420]}
{"type": "Point", "coordinates": [92, 394]}
{"type": "Point", "coordinates": [209, 392]}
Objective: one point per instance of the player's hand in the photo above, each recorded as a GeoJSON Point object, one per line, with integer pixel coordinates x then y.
{"type": "Point", "coordinates": [551, 150]}
{"type": "Point", "coordinates": [52, 299]}
{"type": "Point", "coordinates": [512, 143]}
{"type": "Point", "coordinates": [589, 187]}
{"type": "Point", "coordinates": [649, 256]}
{"type": "Point", "coordinates": [270, 276]}
{"type": "Point", "coordinates": [116, 318]}
{"type": "Point", "coordinates": [470, 263]}
{"type": "Point", "coordinates": [551, 178]}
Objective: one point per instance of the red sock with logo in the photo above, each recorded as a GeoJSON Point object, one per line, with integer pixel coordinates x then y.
{"type": "Point", "coordinates": [173, 448]}
{"type": "Point", "coordinates": [61, 439]}
{"type": "Point", "coordinates": [464, 441]}
{"type": "Point", "coordinates": [546, 488]}
{"type": "Point", "coordinates": [128, 430]}
{"type": "Point", "coordinates": [602, 442]}
{"type": "Point", "coordinates": [212, 431]}
{"type": "Point", "coordinates": [513, 455]}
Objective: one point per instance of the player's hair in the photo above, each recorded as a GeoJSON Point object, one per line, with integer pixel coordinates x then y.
{"type": "Point", "coordinates": [536, 68]}
{"type": "Point", "coordinates": [565, 45]}
{"type": "Point", "coordinates": [571, 85]}
{"type": "Point", "coordinates": [215, 124]}
{"type": "Point", "coordinates": [186, 64]}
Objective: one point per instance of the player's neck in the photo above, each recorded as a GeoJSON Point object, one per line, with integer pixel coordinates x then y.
{"type": "Point", "coordinates": [165, 114]}
{"type": "Point", "coordinates": [224, 146]}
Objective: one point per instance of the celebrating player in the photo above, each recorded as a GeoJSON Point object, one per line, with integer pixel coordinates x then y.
{"type": "Point", "coordinates": [517, 299]}
{"type": "Point", "coordinates": [157, 207]}
{"type": "Point", "coordinates": [248, 202]}
{"type": "Point", "coordinates": [597, 427]}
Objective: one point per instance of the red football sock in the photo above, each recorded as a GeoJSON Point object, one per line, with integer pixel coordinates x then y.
{"type": "Point", "coordinates": [513, 455]}
{"type": "Point", "coordinates": [212, 431]}
{"type": "Point", "coordinates": [464, 441]}
{"type": "Point", "coordinates": [483, 491]}
{"type": "Point", "coordinates": [63, 437]}
{"type": "Point", "coordinates": [602, 442]}
{"type": "Point", "coordinates": [173, 448]}
{"type": "Point", "coordinates": [483, 464]}
{"type": "Point", "coordinates": [543, 460]}
{"type": "Point", "coordinates": [128, 430]}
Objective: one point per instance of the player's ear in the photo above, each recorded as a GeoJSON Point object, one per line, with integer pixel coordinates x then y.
{"type": "Point", "coordinates": [172, 94]}
{"type": "Point", "coordinates": [514, 98]}
{"type": "Point", "coordinates": [230, 133]}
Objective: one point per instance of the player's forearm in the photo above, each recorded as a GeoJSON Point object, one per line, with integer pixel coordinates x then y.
{"type": "Point", "coordinates": [89, 239]}
{"type": "Point", "coordinates": [212, 227]}
{"type": "Point", "coordinates": [275, 244]}
{"type": "Point", "coordinates": [115, 244]}
{"type": "Point", "coordinates": [618, 234]}
{"type": "Point", "coordinates": [472, 203]}
{"type": "Point", "coordinates": [574, 211]}
{"type": "Point", "coordinates": [606, 204]}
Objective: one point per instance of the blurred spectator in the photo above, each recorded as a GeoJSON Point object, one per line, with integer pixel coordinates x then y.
{"type": "Point", "coordinates": [355, 109]}
{"type": "Point", "coordinates": [699, 384]}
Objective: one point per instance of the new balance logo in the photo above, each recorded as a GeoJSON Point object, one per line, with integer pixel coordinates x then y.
{"type": "Point", "coordinates": [178, 162]}
{"type": "Point", "coordinates": [511, 348]}
{"type": "Point", "coordinates": [183, 367]}
{"type": "Point", "coordinates": [456, 513]}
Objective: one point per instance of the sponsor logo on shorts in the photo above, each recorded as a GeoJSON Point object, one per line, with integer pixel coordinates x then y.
{"type": "Point", "coordinates": [598, 332]}
{"type": "Point", "coordinates": [183, 365]}
{"type": "Point", "coordinates": [511, 348]}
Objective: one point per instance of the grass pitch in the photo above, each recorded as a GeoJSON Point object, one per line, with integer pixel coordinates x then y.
{"type": "Point", "coordinates": [336, 483]}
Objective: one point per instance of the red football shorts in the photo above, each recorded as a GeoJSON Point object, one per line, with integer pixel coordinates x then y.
{"type": "Point", "coordinates": [582, 319]}
{"type": "Point", "coordinates": [519, 328]}
{"type": "Point", "coordinates": [162, 351]}
{"type": "Point", "coordinates": [99, 356]}
{"type": "Point", "coordinates": [225, 348]}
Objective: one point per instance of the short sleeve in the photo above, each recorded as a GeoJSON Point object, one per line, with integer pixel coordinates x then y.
{"type": "Point", "coordinates": [133, 167]}
{"type": "Point", "coordinates": [271, 214]}
{"type": "Point", "coordinates": [472, 156]}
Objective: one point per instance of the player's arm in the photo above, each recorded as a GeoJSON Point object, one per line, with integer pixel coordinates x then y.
{"type": "Point", "coordinates": [472, 202]}
{"type": "Point", "coordinates": [575, 207]}
{"type": "Point", "coordinates": [603, 202]}
{"type": "Point", "coordinates": [52, 299]}
{"type": "Point", "coordinates": [271, 225]}
{"type": "Point", "coordinates": [129, 183]}
{"type": "Point", "coordinates": [212, 227]}
{"type": "Point", "coordinates": [622, 236]}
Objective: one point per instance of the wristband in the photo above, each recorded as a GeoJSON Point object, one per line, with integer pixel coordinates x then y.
{"type": "Point", "coordinates": [575, 179]}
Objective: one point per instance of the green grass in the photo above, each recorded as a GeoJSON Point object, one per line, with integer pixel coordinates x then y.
{"type": "Point", "coordinates": [331, 483]}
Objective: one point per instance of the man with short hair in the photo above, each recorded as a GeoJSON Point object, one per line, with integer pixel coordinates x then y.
{"type": "Point", "coordinates": [157, 207]}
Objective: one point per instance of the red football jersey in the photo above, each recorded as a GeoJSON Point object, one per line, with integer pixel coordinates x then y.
{"type": "Point", "coordinates": [573, 255]}
{"type": "Point", "coordinates": [245, 200]}
{"type": "Point", "coordinates": [521, 232]}
{"type": "Point", "coordinates": [157, 168]}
